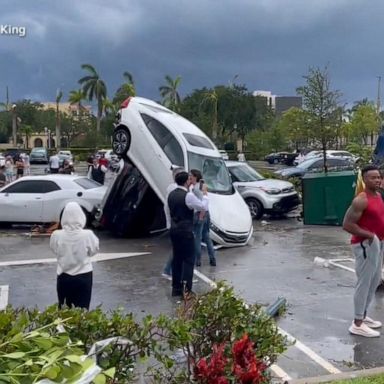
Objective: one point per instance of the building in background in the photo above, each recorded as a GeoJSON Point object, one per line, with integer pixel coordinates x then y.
{"type": "Point", "coordinates": [280, 104]}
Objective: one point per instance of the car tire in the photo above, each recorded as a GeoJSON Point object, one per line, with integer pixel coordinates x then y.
{"type": "Point", "coordinates": [275, 161]}
{"type": "Point", "coordinates": [255, 208]}
{"type": "Point", "coordinates": [121, 141]}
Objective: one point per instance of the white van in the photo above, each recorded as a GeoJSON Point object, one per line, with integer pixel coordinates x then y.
{"type": "Point", "coordinates": [151, 139]}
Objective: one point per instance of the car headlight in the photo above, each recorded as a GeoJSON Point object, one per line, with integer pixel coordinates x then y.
{"type": "Point", "coordinates": [214, 228]}
{"type": "Point", "coordinates": [271, 191]}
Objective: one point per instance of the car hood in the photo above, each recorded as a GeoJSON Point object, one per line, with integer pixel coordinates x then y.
{"type": "Point", "coordinates": [230, 212]}
{"type": "Point", "coordinates": [290, 171]}
{"type": "Point", "coordinates": [267, 183]}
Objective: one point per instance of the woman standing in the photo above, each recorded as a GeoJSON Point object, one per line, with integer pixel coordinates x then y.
{"type": "Point", "coordinates": [74, 247]}
{"type": "Point", "coordinates": [9, 169]}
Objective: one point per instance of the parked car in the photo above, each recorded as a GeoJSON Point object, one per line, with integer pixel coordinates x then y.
{"type": "Point", "coordinates": [316, 164]}
{"type": "Point", "coordinates": [151, 139]}
{"type": "Point", "coordinates": [66, 153]}
{"type": "Point", "coordinates": [224, 154]}
{"type": "Point", "coordinates": [281, 157]}
{"type": "Point", "coordinates": [41, 199]}
{"type": "Point", "coordinates": [39, 155]}
{"type": "Point", "coordinates": [262, 195]}
{"type": "Point", "coordinates": [330, 153]}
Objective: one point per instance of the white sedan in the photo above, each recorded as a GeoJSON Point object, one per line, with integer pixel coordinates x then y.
{"type": "Point", "coordinates": [41, 199]}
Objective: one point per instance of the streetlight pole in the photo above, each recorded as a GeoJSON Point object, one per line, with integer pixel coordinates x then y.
{"type": "Point", "coordinates": [14, 125]}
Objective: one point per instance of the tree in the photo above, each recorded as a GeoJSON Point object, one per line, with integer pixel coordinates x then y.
{"type": "Point", "coordinates": [211, 98]}
{"type": "Point", "coordinates": [125, 90]}
{"type": "Point", "coordinates": [94, 88]}
{"type": "Point", "coordinates": [323, 106]}
{"type": "Point", "coordinates": [364, 121]}
{"type": "Point", "coordinates": [27, 130]}
{"type": "Point", "coordinates": [59, 95]}
{"type": "Point", "coordinates": [295, 125]}
{"type": "Point", "coordinates": [170, 94]}
{"type": "Point", "coordinates": [76, 97]}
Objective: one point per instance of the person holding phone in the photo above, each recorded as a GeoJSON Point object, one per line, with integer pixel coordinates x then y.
{"type": "Point", "coordinates": [201, 221]}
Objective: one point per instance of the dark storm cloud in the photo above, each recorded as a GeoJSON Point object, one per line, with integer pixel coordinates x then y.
{"type": "Point", "coordinates": [269, 44]}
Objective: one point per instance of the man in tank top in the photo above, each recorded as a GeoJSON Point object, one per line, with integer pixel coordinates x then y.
{"type": "Point", "coordinates": [364, 220]}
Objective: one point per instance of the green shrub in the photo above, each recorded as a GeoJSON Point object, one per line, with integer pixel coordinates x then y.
{"type": "Point", "coordinates": [201, 324]}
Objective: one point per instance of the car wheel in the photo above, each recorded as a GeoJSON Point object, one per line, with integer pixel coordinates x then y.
{"type": "Point", "coordinates": [121, 141]}
{"type": "Point", "coordinates": [275, 161]}
{"type": "Point", "coordinates": [255, 208]}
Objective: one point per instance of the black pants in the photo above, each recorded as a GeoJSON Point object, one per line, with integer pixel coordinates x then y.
{"type": "Point", "coordinates": [183, 244]}
{"type": "Point", "coordinates": [74, 290]}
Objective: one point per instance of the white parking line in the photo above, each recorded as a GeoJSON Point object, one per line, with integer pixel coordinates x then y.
{"type": "Point", "coordinates": [96, 258]}
{"type": "Point", "coordinates": [4, 292]}
{"type": "Point", "coordinates": [298, 344]}
{"type": "Point", "coordinates": [280, 373]}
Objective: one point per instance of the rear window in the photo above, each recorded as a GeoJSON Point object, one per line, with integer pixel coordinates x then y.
{"type": "Point", "coordinates": [198, 141]}
{"type": "Point", "coordinates": [87, 183]}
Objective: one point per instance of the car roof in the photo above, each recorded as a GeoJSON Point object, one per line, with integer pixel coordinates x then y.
{"type": "Point", "coordinates": [232, 163]}
{"type": "Point", "coordinates": [54, 177]}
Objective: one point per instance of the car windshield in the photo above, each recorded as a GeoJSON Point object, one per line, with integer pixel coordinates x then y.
{"type": "Point", "coordinates": [307, 163]}
{"type": "Point", "coordinates": [245, 173]}
{"type": "Point", "coordinates": [34, 150]}
{"type": "Point", "coordinates": [87, 183]}
{"type": "Point", "coordinates": [214, 171]}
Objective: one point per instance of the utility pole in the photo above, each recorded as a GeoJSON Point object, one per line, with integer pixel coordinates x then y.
{"type": "Point", "coordinates": [378, 106]}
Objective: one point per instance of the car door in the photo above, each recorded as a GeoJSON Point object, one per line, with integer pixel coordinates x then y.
{"type": "Point", "coordinates": [22, 202]}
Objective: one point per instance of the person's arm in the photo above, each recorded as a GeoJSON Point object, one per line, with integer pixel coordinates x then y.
{"type": "Point", "coordinates": [194, 203]}
{"type": "Point", "coordinates": [89, 174]}
{"type": "Point", "coordinates": [353, 215]}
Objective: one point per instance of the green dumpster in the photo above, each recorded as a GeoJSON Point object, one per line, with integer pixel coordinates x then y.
{"type": "Point", "coordinates": [327, 196]}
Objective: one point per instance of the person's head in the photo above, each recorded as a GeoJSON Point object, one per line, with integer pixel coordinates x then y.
{"type": "Point", "coordinates": [177, 170]}
{"type": "Point", "coordinates": [73, 217]}
{"type": "Point", "coordinates": [371, 177]}
{"type": "Point", "coordinates": [195, 176]}
{"type": "Point", "coordinates": [66, 163]}
{"type": "Point", "coordinates": [182, 179]}
{"type": "Point", "coordinates": [95, 161]}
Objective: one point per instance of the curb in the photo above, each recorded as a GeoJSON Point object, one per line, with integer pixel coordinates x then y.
{"type": "Point", "coordinates": [338, 376]}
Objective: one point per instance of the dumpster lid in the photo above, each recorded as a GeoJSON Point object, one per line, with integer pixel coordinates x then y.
{"type": "Point", "coordinates": [317, 175]}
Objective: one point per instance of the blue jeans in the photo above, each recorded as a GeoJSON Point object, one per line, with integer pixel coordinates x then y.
{"type": "Point", "coordinates": [198, 231]}
{"type": "Point", "coordinates": [201, 230]}
{"type": "Point", "coordinates": [168, 265]}
{"type": "Point", "coordinates": [206, 239]}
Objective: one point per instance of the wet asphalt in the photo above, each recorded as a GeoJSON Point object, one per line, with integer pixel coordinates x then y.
{"type": "Point", "coordinates": [277, 263]}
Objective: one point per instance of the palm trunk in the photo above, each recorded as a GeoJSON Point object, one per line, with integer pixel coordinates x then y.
{"type": "Point", "coordinates": [58, 133]}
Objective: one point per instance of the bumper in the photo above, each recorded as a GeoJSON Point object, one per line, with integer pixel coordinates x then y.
{"type": "Point", "coordinates": [230, 239]}
{"type": "Point", "coordinates": [38, 161]}
{"type": "Point", "coordinates": [285, 204]}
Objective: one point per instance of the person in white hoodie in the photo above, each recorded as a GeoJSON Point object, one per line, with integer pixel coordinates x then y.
{"type": "Point", "coordinates": [74, 246]}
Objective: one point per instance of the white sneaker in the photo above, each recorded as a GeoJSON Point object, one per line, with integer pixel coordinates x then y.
{"type": "Point", "coordinates": [363, 330]}
{"type": "Point", "coordinates": [372, 323]}
{"type": "Point", "coordinates": [168, 277]}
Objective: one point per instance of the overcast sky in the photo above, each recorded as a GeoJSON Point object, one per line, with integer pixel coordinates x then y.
{"type": "Point", "coordinates": [269, 44]}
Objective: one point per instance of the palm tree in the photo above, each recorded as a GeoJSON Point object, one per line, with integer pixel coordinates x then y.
{"type": "Point", "coordinates": [59, 95]}
{"type": "Point", "coordinates": [126, 89]}
{"type": "Point", "coordinates": [76, 97]}
{"type": "Point", "coordinates": [28, 131]}
{"type": "Point", "coordinates": [169, 92]}
{"type": "Point", "coordinates": [94, 88]}
{"type": "Point", "coordinates": [109, 107]}
{"type": "Point", "coordinates": [212, 98]}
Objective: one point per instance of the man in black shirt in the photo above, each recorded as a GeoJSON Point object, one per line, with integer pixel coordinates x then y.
{"type": "Point", "coordinates": [181, 204]}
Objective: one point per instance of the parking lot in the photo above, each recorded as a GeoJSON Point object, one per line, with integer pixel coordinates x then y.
{"type": "Point", "coordinates": [279, 262]}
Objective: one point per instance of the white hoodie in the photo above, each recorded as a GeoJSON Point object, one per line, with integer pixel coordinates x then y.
{"type": "Point", "coordinates": [74, 245]}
